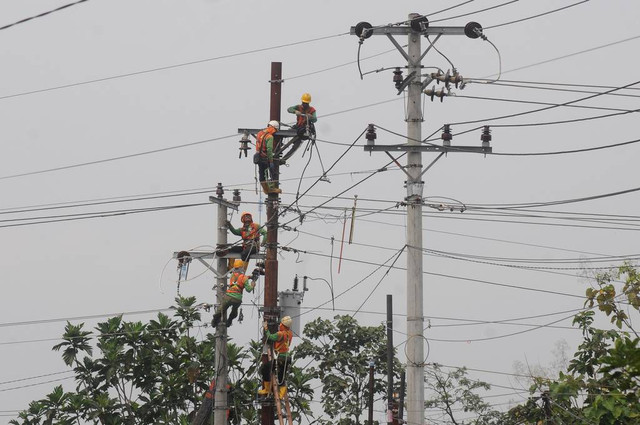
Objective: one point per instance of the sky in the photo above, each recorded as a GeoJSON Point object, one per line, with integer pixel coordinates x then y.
{"type": "Point", "coordinates": [108, 107]}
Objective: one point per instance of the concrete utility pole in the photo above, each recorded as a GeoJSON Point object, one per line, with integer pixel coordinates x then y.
{"type": "Point", "coordinates": [414, 28]}
{"type": "Point", "coordinates": [221, 396]}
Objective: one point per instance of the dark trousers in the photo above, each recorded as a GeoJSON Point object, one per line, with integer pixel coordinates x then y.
{"type": "Point", "coordinates": [245, 251]}
{"type": "Point", "coordinates": [222, 309]}
{"type": "Point", "coordinates": [281, 365]}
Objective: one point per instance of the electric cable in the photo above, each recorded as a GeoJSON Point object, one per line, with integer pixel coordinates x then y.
{"type": "Point", "coordinates": [556, 87]}
{"type": "Point", "coordinates": [40, 15]}
{"type": "Point", "coordinates": [85, 216]}
{"type": "Point", "coordinates": [450, 7]}
{"type": "Point", "coordinates": [466, 341]}
{"type": "Point", "coordinates": [536, 16]}
{"type": "Point", "coordinates": [116, 158]}
{"type": "Point", "coordinates": [592, 49]}
{"type": "Point", "coordinates": [379, 282]}
{"type": "Point", "coordinates": [441, 54]}
{"type": "Point", "coordinates": [164, 68]}
{"type": "Point", "coordinates": [545, 108]}
{"type": "Point", "coordinates": [531, 102]}
{"type": "Point", "coordinates": [557, 202]}
{"type": "Point", "coordinates": [12, 381]}
{"type": "Point", "coordinates": [120, 157]}
{"type": "Point", "coordinates": [461, 278]}
{"type": "Point", "coordinates": [2, 390]}
{"type": "Point", "coordinates": [474, 12]}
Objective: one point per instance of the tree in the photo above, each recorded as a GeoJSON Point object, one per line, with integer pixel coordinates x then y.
{"type": "Point", "coordinates": [454, 392]}
{"type": "Point", "coordinates": [340, 352]}
{"type": "Point", "coordinates": [602, 383]}
{"type": "Point", "coordinates": [142, 373]}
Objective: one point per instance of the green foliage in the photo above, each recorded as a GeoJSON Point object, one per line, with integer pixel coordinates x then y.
{"type": "Point", "coordinates": [340, 352]}
{"type": "Point", "coordinates": [145, 373]}
{"type": "Point", "coordinates": [602, 385]}
{"type": "Point", "coordinates": [453, 392]}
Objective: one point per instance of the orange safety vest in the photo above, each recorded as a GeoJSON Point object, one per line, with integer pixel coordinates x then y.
{"type": "Point", "coordinates": [251, 235]}
{"type": "Point", "coordinates": [283, 342]}
{"type": "Point", "coordinates": [236, 284]}
{"type": "Point", "coordinates": [261, 142]}
{"type": "Point", "coordinates": [302, 120]}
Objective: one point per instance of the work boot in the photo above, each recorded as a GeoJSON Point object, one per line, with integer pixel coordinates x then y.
{"type": "Point", "coordinates": [283, 391]}
{"type": "Point", "coordinates": [273, 188]}
{"type": "Point", "coordinates": [265, 187]}
{"type": "Point", "coordinates": [266, 389]}
{"type": "Point", "coordinates": [245, 265]}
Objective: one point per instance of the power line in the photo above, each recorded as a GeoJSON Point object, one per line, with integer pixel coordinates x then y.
{"type": "Point", "coordinates": [35, 384]}
{"type": "Point", "coordinates": [558, 202]}
{"type": "Point", "coordinates": [546, 325]}
{"type": "Point", "coordinates": [91, 316]}
{"type": "Point", "coordinates": [535, 16]}
{"type": "Point", "coordinates": [35, 377]}
{"type": "Point", "coordinates": [42, 14]}
{"type": "Point", "coordinates": [449, 8]}
{"type": "Point", "coordinates": [592, 49]}
{"type": "Point", "coordinates": [531, 102]}
{"type": "Point", "coordinates": [115, 158]}
{"type": "Point", "coordinates": [85, 216]}
{"type": "Point", "coordinates": [517, 114]}
{"type": "Point", "coordinates": [164, 68]}
{"type": "Point", "coordinates": [467, 279]}
{"type": "Point", "coordinates": [556, 87]}
{"type": "Point", "coordinates": [474, 12]}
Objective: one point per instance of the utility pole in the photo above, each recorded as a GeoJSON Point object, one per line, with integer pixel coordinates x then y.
{"type": "Point", "coordinates": [390, 400]}
{"type": "Point", "coordinates": [271, 312]}
{"type": "Point", "coordinates": [414, 28]}
{"type": "Point", "coordinates": [219, 401]}
{"type": "Point", "coordinates": [221, 395]}
{"type": "Point", "coordinates": [372, 366]}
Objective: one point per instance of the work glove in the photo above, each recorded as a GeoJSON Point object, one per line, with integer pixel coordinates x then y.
{"type": "Point", "coordinates": [298, 113]}
{"type": "Point", "coordinates": [228, 224]}
{"type": "Point", "coordinates": [265, 326]}
{"type": "Point", "coordinates": [255, 274]}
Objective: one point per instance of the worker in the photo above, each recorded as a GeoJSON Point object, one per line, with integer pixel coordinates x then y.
{"type": "Point", "coordinates": [306, 116]}
{"type": "Point", "coordinates": [250, 233]}
{"type": "Point", "coordinates": [281, 343]}
{"type": "Point", "coordinates": [238, 283]}
{"type": "Point", "coordinates": [265, 153]}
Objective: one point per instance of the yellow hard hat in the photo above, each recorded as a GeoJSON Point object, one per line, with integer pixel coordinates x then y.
{"type": "Point", "coordinates": [286, 320]}
{"type": "Point", "coordinates": [238, 264]}
{"type": "Point", "coordinates": [306, 98]}
{"type": "Point", "coordinates": [246, 213]}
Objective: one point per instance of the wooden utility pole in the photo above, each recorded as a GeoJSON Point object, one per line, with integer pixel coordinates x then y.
{"type": "Point", "coordinates": [372, 366]}
{"type": "Point", "coordinates": [271, 312]}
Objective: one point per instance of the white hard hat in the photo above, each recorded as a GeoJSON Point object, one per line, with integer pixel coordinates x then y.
{"type": "Point", "coordinates": [275, 124]}
{"type": "Point", "coordinates": [286, 320]}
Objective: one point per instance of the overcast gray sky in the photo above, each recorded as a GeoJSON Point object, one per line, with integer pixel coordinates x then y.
{"type": "Point", "coordinates": [107, 82]}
